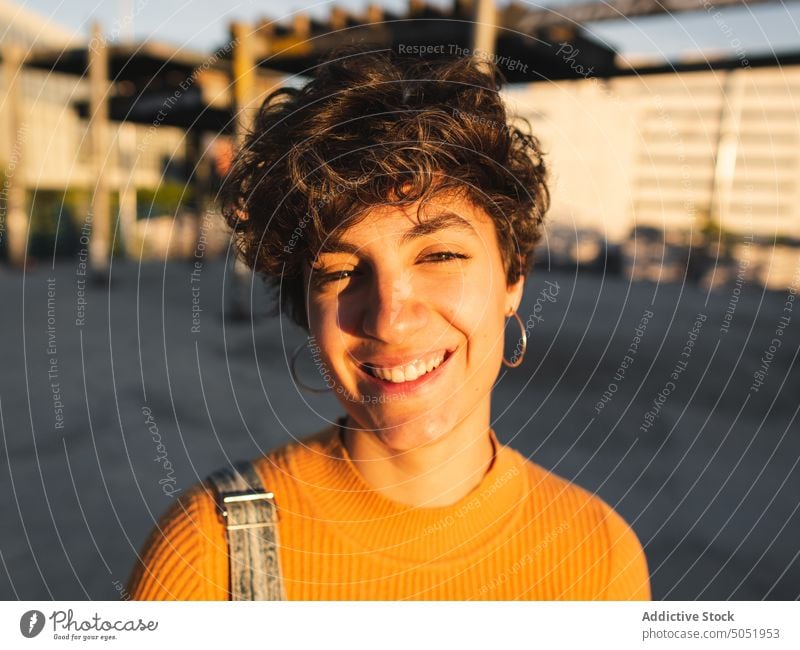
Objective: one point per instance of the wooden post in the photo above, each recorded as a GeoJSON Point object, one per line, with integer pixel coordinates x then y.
{"type": "Point", "coordinates": [127, 187]}
{"type": "Point", "coordinates": [100, 211]}
{"type": "Point", "coordinates": [244, 72]}
{"type": "Point", "coordinates": [199, 171]}
{"type": "Point", "coordinates": [337, 19]}
{"type": "Point", "coordinates": [15, 215]}
{"type": "Point", "coordinates": [727, 148]}
{"type": "Point", "coordinates": [484, 29]}
{"type": "Point", "coordinates": [247, 89]}
{"type": "Point", "coordinates": [374, 14]}
{"type": "Point", "coordinates": [301, 26]}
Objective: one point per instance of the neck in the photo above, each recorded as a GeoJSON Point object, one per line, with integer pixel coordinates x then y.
{"type": "Point", "coordinates": [433, 475]}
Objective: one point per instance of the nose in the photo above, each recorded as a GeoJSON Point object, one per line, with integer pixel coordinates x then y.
{"type": "Point", "coordinates": [393, 313]}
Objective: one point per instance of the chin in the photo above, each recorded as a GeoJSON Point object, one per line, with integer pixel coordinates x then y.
{"type": "Point", "coordinates": [405, 433]}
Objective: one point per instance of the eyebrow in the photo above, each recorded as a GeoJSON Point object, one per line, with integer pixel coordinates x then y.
{"type": "Point", "coordinates": [440, 221]}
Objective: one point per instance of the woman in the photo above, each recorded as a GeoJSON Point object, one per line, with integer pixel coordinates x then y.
{"type": "Point", "coordinates": [396, 211]}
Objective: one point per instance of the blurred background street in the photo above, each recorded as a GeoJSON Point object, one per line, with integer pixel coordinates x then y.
{"type": "Point", "coordinates": [137, 357]}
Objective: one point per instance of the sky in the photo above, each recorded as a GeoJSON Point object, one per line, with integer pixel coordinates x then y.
{"type": "Point", "coordinates": [203, 24]}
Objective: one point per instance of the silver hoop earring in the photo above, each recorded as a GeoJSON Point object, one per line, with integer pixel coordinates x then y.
{"type": "Point", "coordinates": [517, 361]}
{"type": "Point", "coordinates": [296, 378]}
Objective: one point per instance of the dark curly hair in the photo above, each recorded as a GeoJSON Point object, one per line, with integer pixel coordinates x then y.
{"type": "Point", "coordinates": [373, 128]}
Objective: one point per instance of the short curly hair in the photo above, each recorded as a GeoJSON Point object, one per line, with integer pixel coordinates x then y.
{"type": "Point", "coordinates": [373, 128]}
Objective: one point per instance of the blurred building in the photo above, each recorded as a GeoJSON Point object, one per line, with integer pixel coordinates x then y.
{"type": "Point", "coordinates": [658, 164]}
{"type": "Point", "coordinates": [144, 150]}
{"type": "Point", "coordinates": [659, 172]}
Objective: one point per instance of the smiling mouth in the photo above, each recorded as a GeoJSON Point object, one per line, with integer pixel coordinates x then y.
{"type": "Point", "coordinates": [409, 371]}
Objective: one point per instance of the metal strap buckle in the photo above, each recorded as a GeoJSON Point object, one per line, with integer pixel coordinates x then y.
{"type": "Point", "coordinates": [246, 497]}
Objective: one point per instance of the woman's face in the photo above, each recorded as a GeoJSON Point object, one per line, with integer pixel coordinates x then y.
{"type": "Point", "coordinates": [409, 316]}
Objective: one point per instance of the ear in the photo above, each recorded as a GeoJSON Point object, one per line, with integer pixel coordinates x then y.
{"type": "Point", "coordinates": [514, 295]}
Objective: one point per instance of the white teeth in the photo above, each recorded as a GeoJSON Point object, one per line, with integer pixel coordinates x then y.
{"type": "Point", "coordinates": [409, 372]}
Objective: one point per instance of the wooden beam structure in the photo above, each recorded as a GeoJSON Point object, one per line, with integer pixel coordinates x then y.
{"type": "Point", "coordinates": [526, 43]}
{"type": "Point", "coordinates": [468, 26]}
{"type": "Point", "coordinates": [529, 20]}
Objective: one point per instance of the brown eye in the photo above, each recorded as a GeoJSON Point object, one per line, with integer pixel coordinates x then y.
{"type": "Point", "coordinates": [445, 256]}
{"type": "Point", "coordinates": [337, 275]}
{"type": "Point", "coordinates": [322, 278]}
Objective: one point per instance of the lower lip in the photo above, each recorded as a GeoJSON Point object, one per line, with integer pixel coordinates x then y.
{"type": "Point", "coordinates": [392, 388]}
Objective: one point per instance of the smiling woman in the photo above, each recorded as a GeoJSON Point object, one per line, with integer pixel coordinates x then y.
{"type": "Point", "coordinates": [396, 210]}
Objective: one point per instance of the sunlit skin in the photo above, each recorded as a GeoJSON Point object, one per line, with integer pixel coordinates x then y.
{"type": "Point", "coordinates": [386, 292]}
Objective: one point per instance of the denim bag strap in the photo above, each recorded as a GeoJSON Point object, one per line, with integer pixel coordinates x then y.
{"type": "Point", "coordinates": [251, 523]}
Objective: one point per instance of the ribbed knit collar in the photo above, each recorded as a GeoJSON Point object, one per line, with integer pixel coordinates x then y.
{"type": "Point", "coordinates": [374, 524]}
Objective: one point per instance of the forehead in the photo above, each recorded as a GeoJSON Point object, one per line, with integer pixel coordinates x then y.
{"type": "Point", "coordinates": [408, 222]}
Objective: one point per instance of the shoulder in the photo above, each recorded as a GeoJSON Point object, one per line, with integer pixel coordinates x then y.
{"type": "Point", "coordinates": [185, 555]}
{"type": "Point", "coordinates": [590, 531]}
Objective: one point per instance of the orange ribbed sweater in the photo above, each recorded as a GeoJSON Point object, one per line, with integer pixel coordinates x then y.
{"type": "Point", "coordinates": [521, 534]}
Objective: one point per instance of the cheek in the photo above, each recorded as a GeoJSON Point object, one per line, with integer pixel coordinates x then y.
{"type": "Point", "coordinates": [477, 314]}
{"type": "Point", "coordinates": [322, 319]}
{"type": "Point", "coordinates": [474, 303]}
{"type": "Point", "coordinates": [322, 313]}
{"type": "Point", "coordinates": [487, 339]}
{"type": "Point", "coordinates": [491, 337]}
